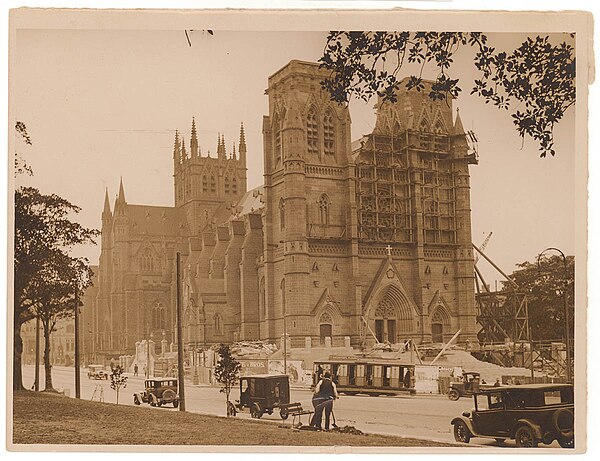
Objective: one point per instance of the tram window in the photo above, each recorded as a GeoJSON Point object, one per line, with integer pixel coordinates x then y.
{"type": "Point", "coordinates": [377, 371]}
{"type": "Point", "coordinates": [360, 370]}
{"type": "Point", "coordinates": [388, 372]}
{"type": "Point", "coordinates": [395, 371]}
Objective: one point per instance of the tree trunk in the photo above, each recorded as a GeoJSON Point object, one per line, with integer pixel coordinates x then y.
{"type": "Point", "coordinates": [47, 364]}
{"type": "Point", "coordinates": [117, 395]}
{"type": "Point", "coordinates": [17, 354]}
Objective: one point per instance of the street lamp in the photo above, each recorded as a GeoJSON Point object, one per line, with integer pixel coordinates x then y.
{"type": "Point", "coordinates": [567, 332]}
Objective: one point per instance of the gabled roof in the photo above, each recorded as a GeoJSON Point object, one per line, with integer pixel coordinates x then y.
{"type": "Point", "coordinates": [156, 220]}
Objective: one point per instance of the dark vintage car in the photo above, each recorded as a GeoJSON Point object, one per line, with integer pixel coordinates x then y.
{"type": "Point", "coordinates": [530, 414]}
{"type": "Point", "coordinates": [468, 383]}
{"type": "Point", "coordinates": [158, 392]}
{"type": "Point", "coordinates": [97, 372]}
{"type": "Point", "coordinates": [262, 394]}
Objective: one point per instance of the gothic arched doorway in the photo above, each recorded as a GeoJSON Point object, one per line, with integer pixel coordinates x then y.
{"type": "Point", "coordinates": [440, 324]}
{"type": "Point", "coordinates": [325, 327]}
{"type": "Point", "coordinates": [392, 316]}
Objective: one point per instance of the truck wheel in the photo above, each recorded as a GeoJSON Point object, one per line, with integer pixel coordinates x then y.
{"type": "Point", "coordinates": [525, 438]}
{"type": "Point", "coordinates": [453, 395]}
{"type": "Point", "coordinates": [136, 399]}
{"type": "Point", "coordinates": [283, 413]}
{"type": "Point", "coordinates": [175, 403]}
{"type": "Point", "coordinates": [256, 411]}
{"type": "Point", "coordinates": [461, 432]}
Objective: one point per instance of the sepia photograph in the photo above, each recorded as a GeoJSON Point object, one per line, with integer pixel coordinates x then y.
{"type": "Point", "coordinates": [294, 230]}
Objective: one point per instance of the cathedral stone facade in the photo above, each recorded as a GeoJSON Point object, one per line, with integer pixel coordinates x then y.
{"type": "Point", "coordinates": [345, 241]}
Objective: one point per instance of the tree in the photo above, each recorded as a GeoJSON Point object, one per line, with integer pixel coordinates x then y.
{"type": "Point", "coordinates": [54, 289]}
{"type": "Point", "coordinates": [535, 82]}
{"type": "Point", "coordinates": [44, 234]}
{"type": "Point", "coordinates": [117, 380]}
{"type": "Point", "coordinates": [20, 166]}
{"type": "Point", "coordinates": [544, 286]}
{"type": "Point", "coordinates": [226, 371]}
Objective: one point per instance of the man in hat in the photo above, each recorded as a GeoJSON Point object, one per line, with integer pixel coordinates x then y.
{"type": "Point", "coordinates": [325, 394]}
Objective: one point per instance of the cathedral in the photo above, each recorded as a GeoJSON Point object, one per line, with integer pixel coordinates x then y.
{"type": "Point", "coordinates": [346, 242]}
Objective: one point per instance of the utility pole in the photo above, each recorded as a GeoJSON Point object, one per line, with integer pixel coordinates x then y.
{"type": "Point", "coordinates": [36, 381]}
{"type": "Point", "coordinates": [77, 371]}
{"type": "Point", "coordinates": [180, 371]}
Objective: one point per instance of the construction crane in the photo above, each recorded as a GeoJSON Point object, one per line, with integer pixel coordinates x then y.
{"type": "Point", "coordinates": [483, 245]}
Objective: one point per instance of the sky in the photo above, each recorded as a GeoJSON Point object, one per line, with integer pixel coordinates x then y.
{"type": "Point", "coordinates": [104, 105]}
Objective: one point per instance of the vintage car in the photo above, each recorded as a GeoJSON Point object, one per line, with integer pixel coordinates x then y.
{"type": "Point", "coordinates": [468, 383]}
{"type": "Point", "coordinates": [529, 414]}
{"type": "Point", "coordinates": [261, 394]}
{"type": "Point", "coordinates": [97, 372]}
{"type": "Point", "coordinates": [158, 392]}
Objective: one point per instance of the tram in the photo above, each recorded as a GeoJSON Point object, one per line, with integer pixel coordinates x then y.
{"type": "Point", "coordinates": [368, 376]}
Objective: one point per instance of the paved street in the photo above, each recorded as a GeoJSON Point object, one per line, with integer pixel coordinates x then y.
{"type": "Point", "coordinates": [420, 416]}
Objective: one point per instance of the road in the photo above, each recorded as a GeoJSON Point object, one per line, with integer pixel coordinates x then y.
{"type": "Point", "coordinates": [419, 416]}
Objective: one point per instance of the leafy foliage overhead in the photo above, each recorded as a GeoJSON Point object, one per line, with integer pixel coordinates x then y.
{"type": "Point", "coordinates": [535, 82]}
{"type": "Point", "coordinates": [227, 369]}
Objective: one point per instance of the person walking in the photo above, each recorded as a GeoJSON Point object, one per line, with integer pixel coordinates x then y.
{"type": "Point", "coordinates": [324, 395]}
{"type": "Point", "coordinates": [135, 370]}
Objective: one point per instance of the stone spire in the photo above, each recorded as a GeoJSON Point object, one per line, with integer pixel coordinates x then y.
{"type": "Point", "coordinates": [121, 196]}
{"type": "Point", "coordinates": [233, 154]}
{"type": "Point", "coordinates": [177, 149]}
{"type": "Point", "coordinates": [194, 140]}
{"type": "Point", "coordinates": [221, 153]}
{"type": "Point", "coordinates": [183, 152]}
{"type": "Point", "coordinates": [106, 214]}
{"type": "Point", "coordinates": [458, 126]}
{"type": "Point", "coordinates": [242, 145]}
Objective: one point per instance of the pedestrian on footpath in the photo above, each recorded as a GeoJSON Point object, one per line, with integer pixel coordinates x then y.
{"type": "Point", "coordinates": [325, 394]}
{"type": "Point", "coordinates": [135, 370]}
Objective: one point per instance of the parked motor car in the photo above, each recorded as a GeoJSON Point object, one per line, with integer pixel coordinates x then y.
{"type": "Point", "coordinates": [158, 392]}
{"type": "Point", "coordinates": [262, 394]}
{"type": "Point", "coordinates": [468, 383]}
{"type": "Point", "coordinates": [529, 414]}
{"type": "Point", "coordinates": [97, 372]}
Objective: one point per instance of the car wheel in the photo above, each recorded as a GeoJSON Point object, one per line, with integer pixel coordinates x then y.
{"type": "Point", "coordinates": [136, 399]}
{"type": "Point", "coordinates": [231, 411]}
{"type": "Point", "coordinates": [256, 411]}
{"type": "Point", "coordinates": [159, 403]}
{"type": "Point", "coordinates": [453, 394]}
{"type": "Point", "coordinates": [525, 438]}
{"type": "Point", "coordinates": [175, 403]}
{"type": "Point", "coordinates": [461, 432]}
{"type": "Point", "coordinates": [284, 414]}
{"type": "Point", "coordinates": [567, 443]}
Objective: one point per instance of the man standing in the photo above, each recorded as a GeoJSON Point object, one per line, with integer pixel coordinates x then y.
{"type": "Point", "coordinates": [325, 393]}
{"type": "Point", "coordinates": [135, 370]}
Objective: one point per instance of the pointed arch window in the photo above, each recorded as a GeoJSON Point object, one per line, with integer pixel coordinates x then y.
{"type": "Point", "coordinates": [204, 184]}
{"type": "Point", "coordinates": [312, 132]}
{"type": "Point", "coordinates": [218, 324]}
{"type": "Point", "coordinates": [282, 294]}
{"type": "Point", "coordinates": [213, 184]}
{"type": "Point", "coordinates": [278, 145]}
{"type": "Point", "coordinates": [227, 184]}
{"type": "Point", "coordinates": [146, 261]}
{"type": "Point", "coordinates": [323, 209]}
{"type": "Point", "coordinates": [425, 125]}
{"type": "Point", "coordinates": [438, 128]}
{"type": "Point", "coordinates": [261, 298]}
{"type": "Point", "coordinates": [281, 213]}
{"type": "Point", "coordinates": [328, 133]}
{"type": "Point", "coordinates": [158, 316]}
{"type": "Point", "coordinates": [234, 187]}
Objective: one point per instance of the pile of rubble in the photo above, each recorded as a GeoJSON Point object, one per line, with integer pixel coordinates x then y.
{"type": "Point", "coordinates": [244, 348]}
{"type": "Point", "coordinates": [347, 430]}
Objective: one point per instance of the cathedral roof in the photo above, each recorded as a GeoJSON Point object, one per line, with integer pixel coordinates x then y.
{"type": "Point", "coordinates": [156, 220]}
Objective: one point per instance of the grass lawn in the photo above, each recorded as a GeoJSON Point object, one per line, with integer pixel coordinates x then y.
{"type": "Point", "coordinates": [42, 418]}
